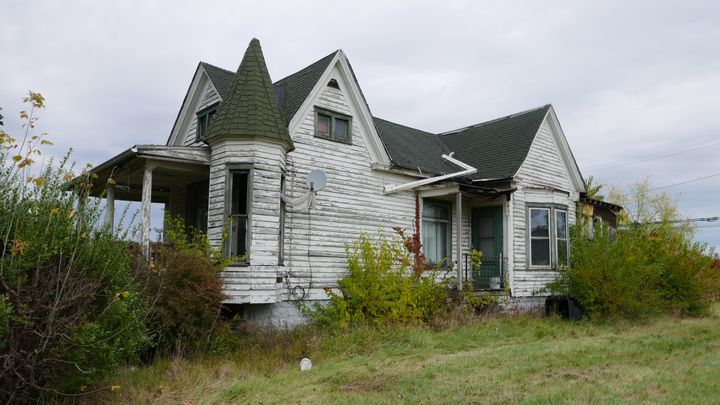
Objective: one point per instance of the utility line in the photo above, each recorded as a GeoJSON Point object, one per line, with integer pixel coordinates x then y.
{"type": "Point", "coordinates": [680, 221]}
{"type": "Point", "coordinates": [685, 182]}
{"type": "Point", "coordinates": [675, 184]}
{"type": "Point", "coordinates": [647, 159]}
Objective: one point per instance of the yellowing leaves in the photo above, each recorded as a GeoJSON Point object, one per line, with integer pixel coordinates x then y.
{"type": "Point", "coordinates": [122, 294]}
{"type": "Point", "coordinates": [17, 158]}
{"type": "Point", "coordinates": [39, 181]}
{"type": "Point", "coordinates": [18, 246]}
{"type": "Point", "coordinates": [25, 162]}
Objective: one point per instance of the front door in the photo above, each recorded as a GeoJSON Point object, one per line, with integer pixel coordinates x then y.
{"type": "Point", "coordinates": [487, 237]}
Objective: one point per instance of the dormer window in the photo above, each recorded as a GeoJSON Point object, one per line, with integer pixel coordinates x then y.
{"type": "Point", "coordinates": [204, 119]}
{"type": "Point", "coordinates": [332, 125]}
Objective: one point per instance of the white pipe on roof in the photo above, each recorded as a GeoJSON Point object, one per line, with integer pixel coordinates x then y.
{"type": "Point", "coordinates": [468, 170]}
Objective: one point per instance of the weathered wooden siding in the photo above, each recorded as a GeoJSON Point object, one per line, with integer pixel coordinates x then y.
{"type": "Point", "coordinates": [209, 96]}
{"type": "Point", "coordinates": [351, 204]}
{"type": "Point", "coordinates": [542, 179]}
{"type": "Point", "coordinates": [255, 283]}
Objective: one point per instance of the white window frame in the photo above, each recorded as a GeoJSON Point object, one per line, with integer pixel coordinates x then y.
{"type": "Point", "coordinates": [566, 239]}
{"type": "Point", "coordinates": [552, 209]}
{"type": "Point", "coordinates": [549, 237]}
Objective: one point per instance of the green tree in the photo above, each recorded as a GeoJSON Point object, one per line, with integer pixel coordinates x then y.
{"type": "Point", "coordinates": [644, 204]}
{"type": "Point", "coordinates": [593, 190]}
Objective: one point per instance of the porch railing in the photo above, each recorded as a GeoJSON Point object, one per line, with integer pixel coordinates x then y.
{"type": "Point", "coordinates": [490, 275]}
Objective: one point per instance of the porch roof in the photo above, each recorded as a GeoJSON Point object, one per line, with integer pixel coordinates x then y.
{"type": "Point", "coordinates": [174, 166]}
{"type": "Point", "coordinates": [600, 203]}
{"type": "Point", "coordinates": [488, 190]}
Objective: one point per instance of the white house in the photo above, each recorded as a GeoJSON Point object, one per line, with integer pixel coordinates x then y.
{"type": "Point", "coordinates": [242, 147]}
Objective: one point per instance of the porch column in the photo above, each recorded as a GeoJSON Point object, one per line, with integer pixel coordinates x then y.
{"type": "Point", "coordinates": [458, 237]}
{"type": "Point", "coordinates": [110, 208]}
{"type": "Point", "coordinates": [145, 211]}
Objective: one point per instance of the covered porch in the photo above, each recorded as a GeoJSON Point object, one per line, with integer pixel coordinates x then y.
{"type": "Point", "coordinates": [176, 177]}
{"type": "Point", "coordinates": [461, 218]}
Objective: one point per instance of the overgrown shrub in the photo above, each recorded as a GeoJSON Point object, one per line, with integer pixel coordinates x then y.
{"type": "Point", "coordinates": [70, 309]}
{"type": "Point", "coordinates": [184, 286]}
{"type": "Point", "coordinates": [381, 287]}
{"type": "Point", "coordinates": [639, 271]}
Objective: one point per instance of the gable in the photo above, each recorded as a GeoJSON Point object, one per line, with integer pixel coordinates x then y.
{"type": "Point", "coordinates": [339, 69]}
{"type": "Point", "coordinates": [549, 161]}
{"type": "Point", "coordinates": [201, 94]}
{"type": "Point", "coordinates": [294, 89]}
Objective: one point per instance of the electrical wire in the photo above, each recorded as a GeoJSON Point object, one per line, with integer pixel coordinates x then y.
{"type": "Point", "coordinates": [675, 184]}
{"type": "Point", "coordinates": [647, 159]}
{"type": "Point", "coordinates": [685, 182]}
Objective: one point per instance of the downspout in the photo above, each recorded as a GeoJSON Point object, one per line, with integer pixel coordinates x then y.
{"type": "Point", "coordinates": [467, 170]}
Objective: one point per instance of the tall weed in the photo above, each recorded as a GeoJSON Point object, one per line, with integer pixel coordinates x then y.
{"type": "Point", "coordinates": [639, 271]}
{"type": "Point", "coordinates": [381, 288]}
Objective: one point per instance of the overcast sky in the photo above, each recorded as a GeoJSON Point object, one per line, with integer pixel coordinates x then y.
{"type": "Point", "coordinates": [630, 80]}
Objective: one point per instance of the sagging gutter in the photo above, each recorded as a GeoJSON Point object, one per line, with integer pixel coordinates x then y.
{"type": "Point", "coordinates": [467, 170]}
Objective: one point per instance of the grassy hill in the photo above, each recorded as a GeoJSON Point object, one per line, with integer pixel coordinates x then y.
{"type": "Point", "coordinates": [507, 359]}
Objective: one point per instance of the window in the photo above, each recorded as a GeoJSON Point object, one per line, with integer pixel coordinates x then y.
{"type": "Point", "coordinates": [204, 119]}
{"type": "Point", "coordinates": [281, 233]}
{"type": "Point", "coordinates": [561, 237]}
{"type": "Point", "coordinates": [332, 125]}
{"type": "Point", "coordinates": [239, 211]}
{"type": "Point", "coordinates": [539, 236]}
{"type": "Point", "coordinates": [548, 237]}
{"type": "Point", "coordinates": [436, 237]}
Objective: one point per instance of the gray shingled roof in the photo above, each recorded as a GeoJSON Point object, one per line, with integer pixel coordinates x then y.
{"type": "Point", "coordinates": [291, 90]}
{"type": "Point", "coordinates": [412, 148]}
{"type": "Point", "coordinates": [294, 89]}
{"type": "Point", "coordinates": [220, 78]}
{"type": "Point", "coordinates": [496, 148]}
{"type": "Point", "coordinates": [251, 107]}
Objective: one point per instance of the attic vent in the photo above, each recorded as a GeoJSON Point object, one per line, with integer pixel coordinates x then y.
{"type": "Point", "coordinates": [334, 84]}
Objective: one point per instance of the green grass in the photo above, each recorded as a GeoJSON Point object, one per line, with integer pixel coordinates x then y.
{"type": "Point", "coordinates": [511, 359]}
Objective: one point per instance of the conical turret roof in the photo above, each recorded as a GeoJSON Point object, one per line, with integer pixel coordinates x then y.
{"type": "Point", "coordinates": [250, 109]}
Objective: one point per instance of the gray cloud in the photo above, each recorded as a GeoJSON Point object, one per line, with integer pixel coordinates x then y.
{"type": "Point", "coordinates": [628, 79]}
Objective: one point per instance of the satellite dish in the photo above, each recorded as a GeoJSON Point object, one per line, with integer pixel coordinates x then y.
{"type": "Point", "coordinates": [316, 180]}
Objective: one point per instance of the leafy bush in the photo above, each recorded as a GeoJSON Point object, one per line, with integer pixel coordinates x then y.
{"type": "Point", "coordinates": [186, 291]}
{"type": "Point", "coordinates": [70, 309]}
{"type": "Point", "coordinates": [381, 288]}
{"type": "Point", "coordinates": [639, 271]}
